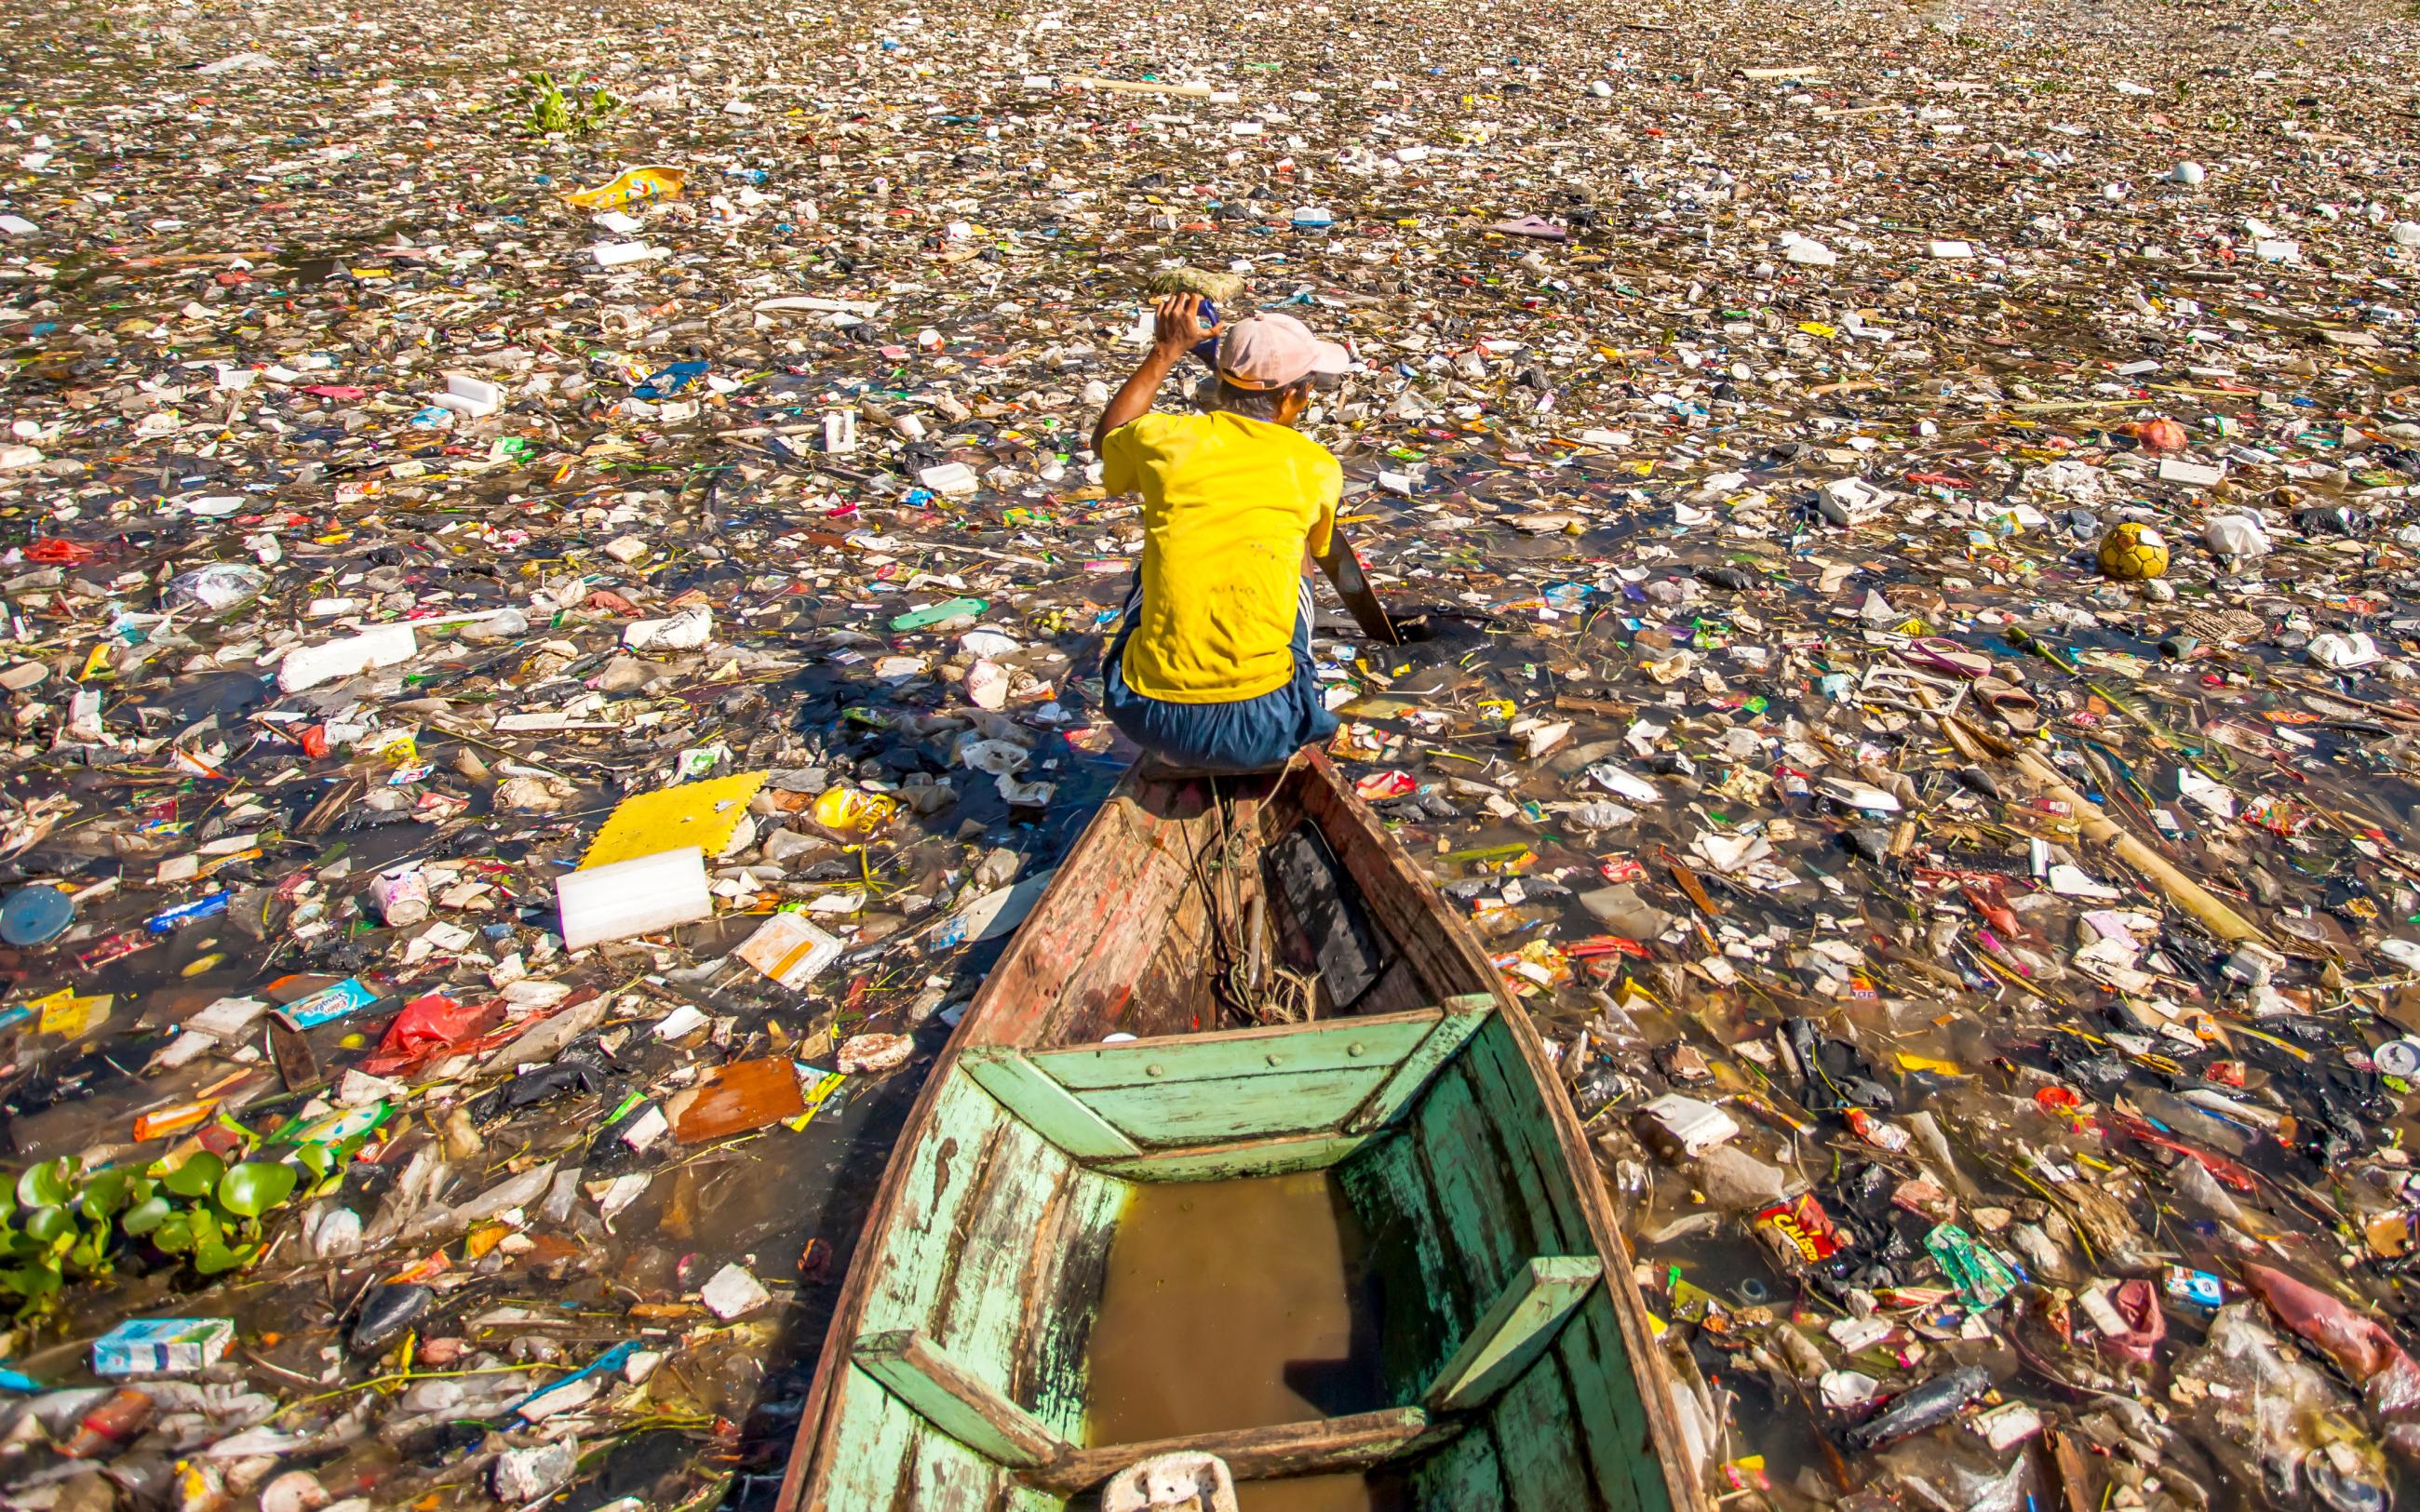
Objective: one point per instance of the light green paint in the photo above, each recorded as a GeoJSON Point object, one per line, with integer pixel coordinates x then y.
{"type": "Point", "coordinates": [1513, 1331]}
{"type": "Point", "coordinates": [1339, 1044]}
{"type": "Point", "coordinates": [872, 1446]}
{"type": "Point", "coordinates": [1221, 1163]}
{"type": "Point", "coordinates": [1160, 1115]}
{"type": "Point", "coordinates": [981, 1303]}
{"type": "Point", "coordinates": [947, 1395]}
{"type": "Point", "coordinates": [1034, 1097]}
{"type": "Point", "coordinates": [1460, 1018]}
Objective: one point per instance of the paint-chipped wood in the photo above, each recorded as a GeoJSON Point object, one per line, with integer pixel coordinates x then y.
{"type": "Point", "coordinates": [1240, 1108]}
{"type": "Point", "coordinates": [1037, 1099]}
{"type": "Point", "coordinates": [1514, 1332]}
{"type": "Point", "coordinates": [947, 1395]}
{"type": "Point", "coordinates": [1523, 1126]}
{"type": "Point", "coordinates": [877, 1433]}
{"type": "Point", "coordinates": [938, 1182]}
{"type": "Point", "coordinates": [1320, 1447]}
{"type": "Point", "coordinates": [1343, 1044]}
{"type": "Point", "coordinates": [978, 1310]}
{"type": "Point", "coordinates": [1227, 1162]}
{"type": "Point", "coordinates": [1068, 1264]}
{"type": "Point", "coordinates": [1463, 1476]}
{"type": "Point", "coordinates": [1457, 1020]}
{"type": "Point", "coordinates": [1544, 1470]}
{"type": "Point", "coordinates": [1486, 1224]}
{"type": "Point", "coordinates": [1424, 1293]}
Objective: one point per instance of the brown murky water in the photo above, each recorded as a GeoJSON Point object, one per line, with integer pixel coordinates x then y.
{"type": "Point", "coordinates": [1233, 1304]}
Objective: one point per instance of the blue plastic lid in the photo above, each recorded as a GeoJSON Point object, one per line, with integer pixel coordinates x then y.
{"type": "Point", "coordinates": [35, 914]}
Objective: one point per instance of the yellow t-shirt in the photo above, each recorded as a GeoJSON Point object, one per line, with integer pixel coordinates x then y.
{"type": "Point", "coordinates": [1228, 504]}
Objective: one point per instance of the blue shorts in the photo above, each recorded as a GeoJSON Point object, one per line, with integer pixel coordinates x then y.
{"type": "Point", "coordinates": [1248, 736]}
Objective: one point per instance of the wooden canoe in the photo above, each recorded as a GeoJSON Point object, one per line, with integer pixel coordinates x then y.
{"type": "Point", "coordinates": [1519, 1369]}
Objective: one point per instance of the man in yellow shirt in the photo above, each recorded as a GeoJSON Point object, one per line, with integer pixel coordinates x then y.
{"type": "Point", "coordinates": [1211, 669]}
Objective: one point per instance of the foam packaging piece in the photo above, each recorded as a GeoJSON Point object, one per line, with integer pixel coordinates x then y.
{"type": "Point", "coordinates": [633, 897]}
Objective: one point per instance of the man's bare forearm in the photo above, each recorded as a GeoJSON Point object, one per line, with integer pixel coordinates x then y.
{"type": "Point", "coordinates": [1133, 399]}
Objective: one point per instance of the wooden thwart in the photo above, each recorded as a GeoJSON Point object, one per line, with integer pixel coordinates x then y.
{"type": "Point", "coordinates": [1236, 1158]}
{"type": "Point", "coordinates": [1515, 1329]}
{"type": "Point", "coordinates": [1321, 1447]}
{"type": "Point", "coordinates": [960, 1404]}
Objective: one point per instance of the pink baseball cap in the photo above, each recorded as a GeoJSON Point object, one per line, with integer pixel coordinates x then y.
{"type": "Point", "coordinates": [1276, 351]}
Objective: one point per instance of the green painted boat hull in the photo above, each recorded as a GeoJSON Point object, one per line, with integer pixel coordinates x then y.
{"type": "Point", "coordinates": [1517, 1362]}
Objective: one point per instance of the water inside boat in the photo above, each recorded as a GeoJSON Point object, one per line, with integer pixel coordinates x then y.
{"type": "Point", "coordinates": [1232, 1305]}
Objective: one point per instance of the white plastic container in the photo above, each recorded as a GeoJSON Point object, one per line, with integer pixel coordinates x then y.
{"type": "Point", "coordinates": [638, 896]}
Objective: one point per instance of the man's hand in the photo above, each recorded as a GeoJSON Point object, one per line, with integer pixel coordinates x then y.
{"type": "Point", "coordinates": [1180, 328]}
{"type": "Point", "coordinates": [1178, 331]}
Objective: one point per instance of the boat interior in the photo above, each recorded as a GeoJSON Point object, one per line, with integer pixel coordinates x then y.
{"type": "Point", "coordinates": [1246, 1157]}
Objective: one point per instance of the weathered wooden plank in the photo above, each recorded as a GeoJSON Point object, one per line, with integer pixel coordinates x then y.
{"type": "Point", "coordinates": [980, 1308]}
{"type": "Point", "coordinates": [954, 1399]}
{"type": "Point", "coordinates": [1660, 1473]}
{"type": "Point", "coordinates": [1486, 1222]}
{"type": "Point", "coordinates": [1592, 1383]}
{"type": "Point", "coordinates": [943, 1472]}
{"type": "Point", "coordinates": [1598, 1386]}
{"type": "Point", "coordinates": [1040, 1100]}
{"type": "Point", "coordinates": [1250, 1157]}
{"type": "Point", "coordinates": [1522, 1125]}
{"type": "Point", "coordinates": [910, 1256]}
{"type": "Point", "coordinates": [1353, 1043]}
{"type": "Point", "coordinates": [1514, 1332]}
{"type": "Point", "coordinates": [1065, 1267]}
{"type": "Point", "coordinates": [872, 1443]}
{"type": "Point", "coordinates": [1458, 1018]}
{"type": "Point", "coordinates": [1544, 1467]}
{"type": "Point", "coordinates": [1465, 1476]}
{"type": "Point", "coordinates": [1099, 921]}
{"type": "Point", "coordinates": [1424, 1291]}
{"type": "Point", "coordinates": [1238, 1109]}
{"type": "Point", "coordinates": [1320, 1447]}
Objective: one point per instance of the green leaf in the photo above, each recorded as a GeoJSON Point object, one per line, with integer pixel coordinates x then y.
{"type": "Point", "coordinates": [255, 1186]}
{"type": "Point", "coordinates": [46, 1185]}
{"type": "Point", "coordinates": [90, 1252]}
{"type": "Point", "coordinates": [176, 1236]}
{"type": "Point", "coordinates": [211, 1256]}
{"type": "Point", "coordinates": [105, 1194]}
{"type": "Point", "coordinates": [30, 1281]}
{"type": "Point", "coordinates": [318, 1158]}
{"type": "Point", "coordinates": [196, 1177]}
{"type": "Point", "coordinates": [50, 1224]}
{"type": "Point", "coordinates": [147, 1216]}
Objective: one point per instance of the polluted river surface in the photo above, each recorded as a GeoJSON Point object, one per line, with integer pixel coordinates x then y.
{"type": "Point", "coordinates": [554, 585]}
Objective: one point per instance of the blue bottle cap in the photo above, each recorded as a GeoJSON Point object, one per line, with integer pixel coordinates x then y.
{"type": "Point", "coordinates": [35, 914]}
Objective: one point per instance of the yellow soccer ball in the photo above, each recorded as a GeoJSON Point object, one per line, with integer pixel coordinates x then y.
{"type": "Point", "coordinates": [2133, 553]}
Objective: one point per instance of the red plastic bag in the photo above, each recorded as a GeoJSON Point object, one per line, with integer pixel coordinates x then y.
{"type": "Point", "coordinates": [426, 1026]}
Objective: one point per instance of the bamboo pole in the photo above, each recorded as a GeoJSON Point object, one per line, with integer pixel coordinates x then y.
{"type": "Point", "coordinates": [2183, 890]}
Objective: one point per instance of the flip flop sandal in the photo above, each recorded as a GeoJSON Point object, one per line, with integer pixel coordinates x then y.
{"type": "Point", "coordinates": [2017, 709]}
{"type": "Point", "coordinates": [1934, 654]}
